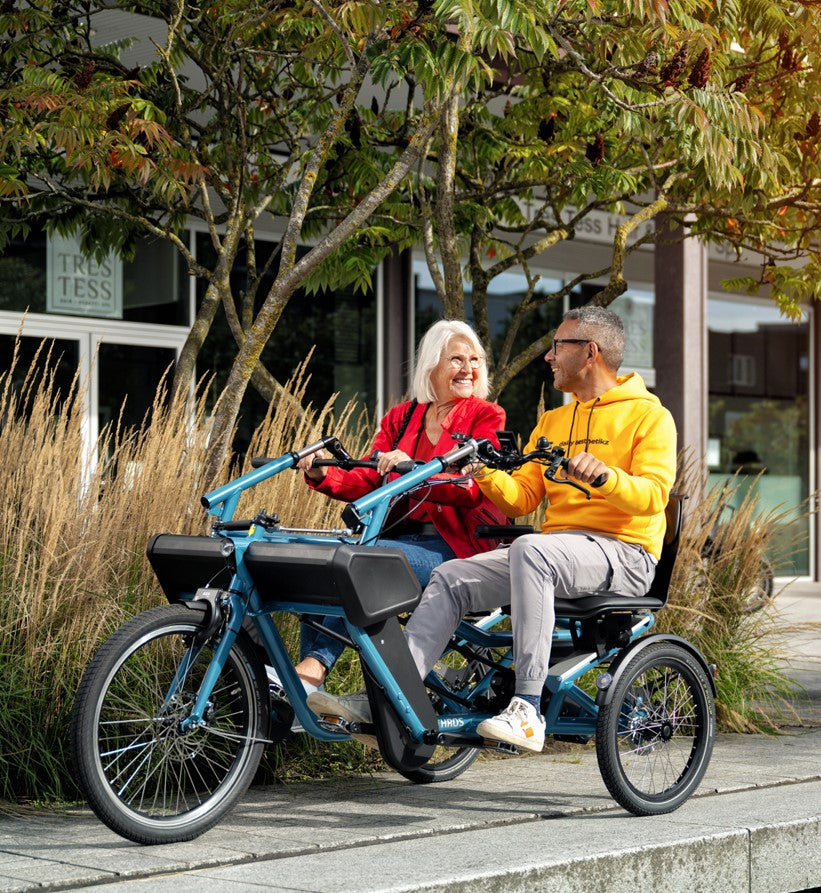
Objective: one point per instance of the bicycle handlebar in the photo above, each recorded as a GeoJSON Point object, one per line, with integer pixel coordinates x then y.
{"type": "Point", "coordinates": [402, 467]}
{"type": "Point", "coordinates": [544, 454]}
{"type": "Point", "coordinates": [223, 501]}
{"type": "Point", "coordinates": [340, 458]}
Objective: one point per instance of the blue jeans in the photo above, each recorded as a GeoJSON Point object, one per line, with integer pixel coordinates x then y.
{"type": "Point", "coordinates": [424, 553]}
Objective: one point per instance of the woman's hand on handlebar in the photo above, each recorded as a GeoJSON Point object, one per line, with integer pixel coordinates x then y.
{"type": "Point", "coordinates": [587, 468]}
{"type": "Point", "coordinates": [307, 466]}
{"type": "Point", "coordinates": [387, 461]}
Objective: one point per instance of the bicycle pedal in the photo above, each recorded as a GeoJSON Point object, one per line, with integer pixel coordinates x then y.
{"type": "Point", "coordinates": [501, 747]}
{"type": "Point", "coordinates": [332, 722]}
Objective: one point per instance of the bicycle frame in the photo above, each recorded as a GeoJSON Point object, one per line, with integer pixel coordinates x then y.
{"type": "Point", "coordinates": [570, 710]}
{"type": "Point", "coordinates": [365, 516]}
{"type": "Point", "coordinates": [162, 764]}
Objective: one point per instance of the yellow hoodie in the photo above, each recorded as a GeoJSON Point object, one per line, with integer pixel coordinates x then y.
{"type": "Point", "coordinates": [629, 430]}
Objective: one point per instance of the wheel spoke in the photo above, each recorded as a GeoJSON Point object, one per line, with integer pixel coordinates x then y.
{"type": "Point", "coordinates": [146, 773]}
{"type": "Point", "coordinates": [654, 740]}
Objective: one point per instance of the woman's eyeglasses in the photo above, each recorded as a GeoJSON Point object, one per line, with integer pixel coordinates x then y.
{"type": "Point", "coordinates": [458, 362]}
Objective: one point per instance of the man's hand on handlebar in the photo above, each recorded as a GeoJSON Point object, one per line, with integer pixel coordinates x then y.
{"type": "Point", "coordinates": [587, 468]}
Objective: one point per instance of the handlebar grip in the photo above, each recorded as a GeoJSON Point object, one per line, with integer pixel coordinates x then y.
{"type": "Point", "coordinates": [235, 525]}
{"type": "Point", "coordinates": [344, 464]}
{"type": "Point", "coordinates": [599, 480]}
{"type": "Point", "coordinates": [259, 461]}
{"type": "Point", "coordinates": [404, 467]}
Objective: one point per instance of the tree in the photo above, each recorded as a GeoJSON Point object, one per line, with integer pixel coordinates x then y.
{"type": "Point", "coordinates": [249, 111]}
{"type": "Point", "coordinates": [700, 115]}
{"type": "Point", "coordinates": [482, 129]}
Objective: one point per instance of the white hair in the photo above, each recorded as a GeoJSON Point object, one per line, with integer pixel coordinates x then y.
{"type": "Point", "coordinates": [431, 348]}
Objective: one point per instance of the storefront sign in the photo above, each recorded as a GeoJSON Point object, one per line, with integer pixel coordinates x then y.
{"type": "Point", "coordinates": [79, 285]}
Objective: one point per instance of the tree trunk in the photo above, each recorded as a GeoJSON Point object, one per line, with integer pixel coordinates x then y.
{"type": "Point", "coordinates": [218, 290]}
{"type": "Point", "coordinates": [288, 281]}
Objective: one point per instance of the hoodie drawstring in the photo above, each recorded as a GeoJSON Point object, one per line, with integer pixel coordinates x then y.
{"type": "Point", "coordinates": [573, 422]}
{"type": "Point", "coordinates": [589, 420]}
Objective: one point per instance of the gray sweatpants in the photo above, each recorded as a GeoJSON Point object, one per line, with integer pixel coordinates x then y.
{"type": "Point", "coordinates": [527, 576]}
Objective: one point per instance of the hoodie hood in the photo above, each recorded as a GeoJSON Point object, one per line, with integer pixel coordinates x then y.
{"type": "Point", "coordinates": [628, 387]}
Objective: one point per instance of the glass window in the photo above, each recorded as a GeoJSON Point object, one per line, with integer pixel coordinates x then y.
{"type": "Point", "coordinates": [128, 379]}
{"type": "Point", "coordinates": [155, 285]}
{"type": "Point", "coordinates": [62, 355]}
{"type": "Point", "coordinates": [23, 274]}
{"type": "Point", "coordinates": [339, 324]}
{"type": "Point", "coordinates": [521, 397]}
{"type": "Point", "coordinates": [150, 289]}
{"type": "Point", "coordinates": [759, 414]}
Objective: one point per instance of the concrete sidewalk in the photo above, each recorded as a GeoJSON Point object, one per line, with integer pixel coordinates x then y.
{"type": "Point", "coordinates": [533, 823]}
{"type": "Point", "coordinates": [528, 823]}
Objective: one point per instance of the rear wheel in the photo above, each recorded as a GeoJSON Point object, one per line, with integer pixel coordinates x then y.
{"type": "Point", "coordinates": [655, 736]}
{"type": "Point", "coordinates": [146, 776]}
{"type": "Point", "coordinates": [447, 762]}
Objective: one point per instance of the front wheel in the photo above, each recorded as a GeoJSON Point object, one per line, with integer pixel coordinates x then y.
{"type": "Point", "coordinates": [145, 776]}
{"type": "Point", "coordinates": [655, 736]}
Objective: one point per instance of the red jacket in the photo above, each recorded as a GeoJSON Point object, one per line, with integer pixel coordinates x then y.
{"type": "Point", "coordinates": [455, 509]}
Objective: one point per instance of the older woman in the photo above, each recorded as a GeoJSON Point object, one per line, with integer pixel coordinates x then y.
{"type": "Point", "coordinates": [449, 387]}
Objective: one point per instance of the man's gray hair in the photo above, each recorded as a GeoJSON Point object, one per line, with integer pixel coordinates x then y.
{"type": "Point", "coordinates": [431, 348]}
{"type": "Point", "coordinates": [601, 325]}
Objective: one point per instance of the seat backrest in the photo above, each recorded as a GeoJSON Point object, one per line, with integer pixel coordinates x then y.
{"type": "Point", "coordinates": [660, 587]}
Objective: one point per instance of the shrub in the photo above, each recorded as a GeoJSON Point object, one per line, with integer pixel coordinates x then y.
{"type": "Point", "coordinates": [73, 565]}
{"type": "Point", "coordinates": [73, 538]}
{"type": "Point", "coordinates": [710, 601]}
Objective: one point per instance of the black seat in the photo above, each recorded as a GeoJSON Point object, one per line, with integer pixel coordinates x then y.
{"type": "Point", "coordinates": [586, 606]}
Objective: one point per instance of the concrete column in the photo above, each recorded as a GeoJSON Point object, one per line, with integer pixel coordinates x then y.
{"type": "Point", "coordinates": [396, 331]}
{"type": "Point", "coordinates": [680, 335]}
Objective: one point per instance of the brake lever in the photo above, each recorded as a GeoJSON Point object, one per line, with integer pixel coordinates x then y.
{"type": "Point", "coordinates": [550, 474]}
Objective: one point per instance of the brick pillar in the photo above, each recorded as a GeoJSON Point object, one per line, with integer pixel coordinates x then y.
{"type": "Point", "coordinates": [680, 335]}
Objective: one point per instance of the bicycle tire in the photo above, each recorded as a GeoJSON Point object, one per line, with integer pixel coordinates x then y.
{"type": "Point", "coordinates": [655, 736]}
{"type": "Point", "coordinates": [447, 762]}
{"type": "Point", "coordinates": [761, 592]}
{"type": "Point", "coordinates": [143, 777]}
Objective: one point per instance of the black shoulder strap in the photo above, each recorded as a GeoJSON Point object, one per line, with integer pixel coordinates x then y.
{"type": "Point", "coordinates": [405, 422]}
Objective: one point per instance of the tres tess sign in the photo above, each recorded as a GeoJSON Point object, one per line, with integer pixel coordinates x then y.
{"type": "Point", "coordinates": [80, 285]}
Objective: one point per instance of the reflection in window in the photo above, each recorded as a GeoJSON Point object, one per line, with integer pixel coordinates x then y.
{"type": "Point", "coordinates": [155, 285]}
{"type": "Point", "coordinates": [759, 414]}
{"type": "Point", "coordinates": [522, 397]}
{"type": "Point", "coordinates": [59, 356]}
{"type": "Point", "coordinates": [129, 378]}
{"type": "Point", "coordinates": [340, 325]}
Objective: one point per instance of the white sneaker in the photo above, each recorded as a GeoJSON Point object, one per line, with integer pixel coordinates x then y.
{"type": "Point", "coordinates": [518, 724]}
{"type": "Point", "coordinates": [351, 708]}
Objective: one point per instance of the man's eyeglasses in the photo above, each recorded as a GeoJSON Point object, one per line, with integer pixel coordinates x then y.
{"type": "Point", "coordinates": [458, 362]}
{"type": "Point", "coordinates": [568, 341]}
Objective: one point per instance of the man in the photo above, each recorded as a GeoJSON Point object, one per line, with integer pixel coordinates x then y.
{"type": "Point", "coordinates": [614, 427]}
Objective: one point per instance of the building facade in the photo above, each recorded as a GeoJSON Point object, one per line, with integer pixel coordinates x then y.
{"type": "Point", "coordinates": [741, 381]}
